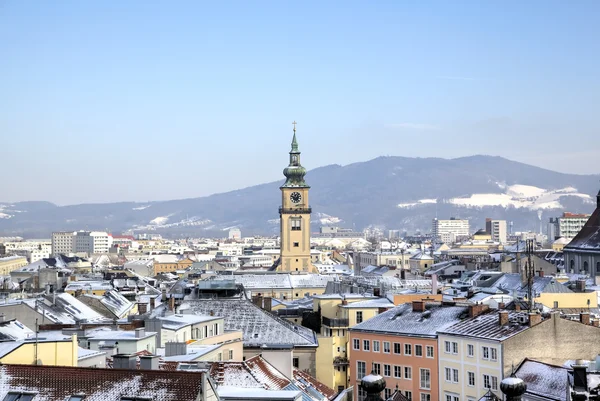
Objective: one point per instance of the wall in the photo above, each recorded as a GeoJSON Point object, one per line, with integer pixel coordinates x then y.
{"type": "Point", "coordinates": [553, 341]}
{"type": "Point", "coordinates": [126, 346]}
{"type": "Point", "coordinates": [54, 353]}
{"type": "Point", "coordinates": [24, 314]}
{"type": "Point", "coordinates": [569, 300]}
{"type": "Point", "coordinates": [11, 263]}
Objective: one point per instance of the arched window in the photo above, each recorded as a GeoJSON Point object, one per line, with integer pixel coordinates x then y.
{"type": "Point", "coordinates": [585, 267]}
{"type": "Point", "coordinates": [572, 266]}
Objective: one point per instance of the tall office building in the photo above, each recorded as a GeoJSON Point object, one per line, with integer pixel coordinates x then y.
{"type": "Point", "coordinates": [449, 230]}
{"type": "Point", "coordinates": [497, 229]}
{"type": "Point", "coordinates": [570, 224]}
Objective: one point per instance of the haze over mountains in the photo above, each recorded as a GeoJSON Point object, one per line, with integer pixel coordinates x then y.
{"type": "Point", "coordinates": [390, 192]}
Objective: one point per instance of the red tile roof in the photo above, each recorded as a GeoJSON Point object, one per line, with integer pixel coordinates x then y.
{"type": "Point", "coordinates": [56, 383]}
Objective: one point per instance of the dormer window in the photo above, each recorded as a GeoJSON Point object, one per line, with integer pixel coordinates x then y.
{"type": "Point", "coordinates": [19, 396]}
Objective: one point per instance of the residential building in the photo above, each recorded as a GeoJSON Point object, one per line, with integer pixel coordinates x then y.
{"type": "Point", "coordinates": [235, 233]}
{"type": "Point", "coordinates": [449, 230]}
{"type": "Point", "coordinates": [582, 255]}
{"type": "Point", "coordinates": [553, 229]}
{"type": "Point", "coordinates": [11, 263]}
{"type": "Point", "coordinates": [48, 351]}
{"type": "Point", "coordinates": [170, 264]}
{"type": "Point", "coordinates": [124, 342]}
{"type": "Point", "coordinates": [62, 243]}
{"type": "Point", "coordinates": [496, 229]}
{"type": "Point", "coordinates": [294, 216]}
{"type": "Point", "coordinates": [569, 224]}
{"type": "Point", "coordinates": [91, 242]}
{"type": "Point", "coordinates": [401, 345]}
{"type": "Point", "coordinates": [397, 259]}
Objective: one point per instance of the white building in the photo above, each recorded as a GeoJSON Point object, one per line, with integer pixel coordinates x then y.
{"type": "Point", "coordinates": [448, 230]}
{"type": "Point", "coordinates": [570, 224]}
{"type": "Point", "coordinates": [62, 242]}
{"type": "Point", "coordinates": [497, 229]}
{"type": "Point", "coordinates": [235, 233]}
{"type": "Point", "coordinates": [91, 242]}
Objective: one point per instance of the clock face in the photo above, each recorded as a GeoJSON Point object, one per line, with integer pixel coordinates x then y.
{"type": "Point", "coordinates": [295, 197]}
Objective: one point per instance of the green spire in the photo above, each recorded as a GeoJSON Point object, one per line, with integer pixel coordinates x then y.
{"type": "Point", "coordinates": [294, 141]}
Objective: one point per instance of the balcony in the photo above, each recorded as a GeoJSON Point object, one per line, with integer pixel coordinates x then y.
{"type": "Point", "coordinates": [340, 360]}
{"type": "Point", "coordinates": [335, 322]}
{"type": "Point", "coordinates": [295, 210]}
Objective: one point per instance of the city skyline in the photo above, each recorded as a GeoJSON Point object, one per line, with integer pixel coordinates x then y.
{"type": "Point", "coordinates": [130, 100]}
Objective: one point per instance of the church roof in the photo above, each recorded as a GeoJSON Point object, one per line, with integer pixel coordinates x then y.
{"type": "Point", "coordinates": [588, 239]}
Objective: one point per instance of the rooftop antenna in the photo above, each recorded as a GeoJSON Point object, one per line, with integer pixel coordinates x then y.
{"type": "Point", "coordinates": [530, 272]}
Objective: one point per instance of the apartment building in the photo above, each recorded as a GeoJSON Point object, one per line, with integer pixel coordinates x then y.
{"type": "Point", "coordinates": [11, 263]}
{"type": "Point", "coordinates": [396, 259]}
{"type": "Point", "coordinates": [448, 231]}
{"type": "Point", "coordinates": [62, 243]}
{"type": "Point", "coordinates": [569, 224]}
{"type": "Point", "coordinates": [401, 345]}
{"type": "Point", "coordinates": [497, 230]}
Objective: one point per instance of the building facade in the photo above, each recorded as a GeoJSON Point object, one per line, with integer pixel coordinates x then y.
{"type": "Point", "coordinates": [497, 230]}
{"type": "Point", "coordinates": [582, 254]}
{"type": "Point", "coordinates": [62, 242]}
{"type": "Point", "coordinates": [294, 216]}
{"type": "Point", "coordinates": [449, 230]}
{"type": "Point", "coordinates": [571, 223]}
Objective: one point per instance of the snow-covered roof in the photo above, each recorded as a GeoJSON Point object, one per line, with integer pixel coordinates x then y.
{"type": "Point", "coordinates": [543, 379]}
{"type": "Point", "coordinates": [116, 303]}
{"type": "Point", "coordinates": [370, 303]}
{"type": "Point", "coordinates": [258, 326]}
{"type": "Point", "coordinates": [176, 322]}
{"type": "Point", "coordinates": [64, 309]}
{"type": "Point", "coordinates": [118, 335]}
{"type": "Point", "coordinates": [487, 326]}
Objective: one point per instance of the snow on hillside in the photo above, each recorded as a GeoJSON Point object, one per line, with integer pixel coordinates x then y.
{"type": "Point", "coordinates": [518, 196]}
{"type": "Point", "coordinates": [141, 207]}
{"type": "Point", "coordinates": [324, 219]}
{"type": "Point", "coordinates": [159, 221]}
{"type": "Point", "coordinates": [162, 222]}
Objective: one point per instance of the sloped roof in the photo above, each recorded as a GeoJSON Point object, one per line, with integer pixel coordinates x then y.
{"type": "Point", "coordinates": [588, 238]}
{"type": "Point", "coordinates": [544, 380]}
{"type": "Point", "coordinates": [258, 327]}
{"type": "Point", "coordinates": [56, 383]}
{"type": "Point", "coordinates": [487, 326]}
{"type": "Point", "coordinates": [403, 320]}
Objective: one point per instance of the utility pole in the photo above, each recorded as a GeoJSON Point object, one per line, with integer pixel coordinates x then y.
{"type": "Point", "coordinates": [530, 269]}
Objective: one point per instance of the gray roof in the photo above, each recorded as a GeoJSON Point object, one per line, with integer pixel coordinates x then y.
{"type": "Point", "coordinates": [544, 380]}
{"type": "Point", "coordinates": [258, 327]}
{"type": "Point", "coordinates": [402, 320]}
{"type": "Point", "coordinates": [487, 326]}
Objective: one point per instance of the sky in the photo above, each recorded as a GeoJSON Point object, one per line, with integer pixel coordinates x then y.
{"type": "Point", "coordinates": [104, 101]}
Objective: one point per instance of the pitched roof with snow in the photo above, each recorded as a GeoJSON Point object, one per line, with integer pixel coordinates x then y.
{"type": "Point", "coordinates": [588, 238]}
{"type": "Point", "coordinates": [258, 327]}
{"type": "Point", "coordinates": [542, 379]}
{"type": "Point", "coordinates": [57, 383]}
{"type": "Point", "coordinates": [402, 320]}
{"type": "Point", "coordinates": [487, 326]}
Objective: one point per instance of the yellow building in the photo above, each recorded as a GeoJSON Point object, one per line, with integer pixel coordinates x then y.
{"type": "Point", "coordinates": [170, 264]}
{"type": "Point", "coordinates": [43, 352]}
{"type": "Point", "coordinates": [338, 313]}
{"type": "Point", "coordinates": [11, 263]}
{"type": "Point", "coordinates": [294, 215]}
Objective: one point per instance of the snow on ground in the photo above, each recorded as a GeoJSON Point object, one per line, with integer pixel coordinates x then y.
{"type": "Point", "coordinates": [5, 216]}
{"type": "Point", "coordinates": [518, 196]}
{"type": "Point", "coordinates": [141, 207]}
{"type": "Point", "coordinates": [325, 219]}
{"type": "Point", "coordinates": [159, 221]}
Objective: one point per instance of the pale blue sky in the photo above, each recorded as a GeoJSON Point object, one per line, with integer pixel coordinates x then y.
{"type": "Point", "coordinates": [146, 100]}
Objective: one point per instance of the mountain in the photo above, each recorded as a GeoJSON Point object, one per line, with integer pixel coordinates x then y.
{"type": "Point", "coordinates": [388, 192]}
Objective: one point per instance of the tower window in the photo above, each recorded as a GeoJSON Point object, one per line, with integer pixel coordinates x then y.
{"type": "Point", "coordinates": [296, 244]}
{"type": "Point", "coordinates": [296, 224]}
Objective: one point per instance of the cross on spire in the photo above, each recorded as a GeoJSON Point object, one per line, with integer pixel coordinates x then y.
{"type": "Point", "coordinates": [294, 124]}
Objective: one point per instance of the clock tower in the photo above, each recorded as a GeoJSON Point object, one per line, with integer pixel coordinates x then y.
{"type": "Point", "coordinates": [294, 216]}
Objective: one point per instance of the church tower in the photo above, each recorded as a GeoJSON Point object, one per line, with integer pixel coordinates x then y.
{"type": "Point", "coordinates": [294, 216]}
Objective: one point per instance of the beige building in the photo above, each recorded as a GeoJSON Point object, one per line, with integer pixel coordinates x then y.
{"type": "Point", "coordinates": [11, 263]}
{"type": "Point", "coordinates": [569, 224]}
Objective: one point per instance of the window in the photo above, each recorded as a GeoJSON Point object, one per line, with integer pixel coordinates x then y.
{"type": "Point", "coordinates": [398, 372]}
{"type": "Point", "coordinates": [19, 396]}
{"type": "Point", "coordinates": [296, 244]}
{"type": "Point", "coordinates": [452, 397]}
{"type": "Point", "coordinates": [375, 346]}
{"type": "Point", "coordinates": [397, 349]}
{"type": "Point", "coordinates": [230, 354]}
{"type": "Point", "coordinates": [471, 376]}
{"type": "Point", "coordinates": [429, 351]}
{"type": "Point", "coordinates": [486, 353]}
{"type": "Point", "coordinates": [76, 398]}
{"type": "Point", "coordinates": [356, 344]}
{"type": "Point", "coordinates": [128, 398]}
{"type": "Point", "coordinates": [425, 397]}
{"type": "Point", "coordinates": [377, 368]}
{"type": "Point", "coordinates": [418, 350]}
{"type": "Point", "coordinates": [407, 349]}
{"type": "Point", "coordinates": [296, 224]}
{"type": "Point", "coordinates": [494, 354]}
{"type": "Point", "coordinates": [447, 347]}
{"type": "Point", "coordinates": [387, 393]}
{"type": "Point", "coordinates": [387, 370]}
{"type": "Point", "coordinates": [454, 375]}
{"type": "Point", "coordinates": [408, 372]}
{"type": "Point", "coordinates": [359, 317]}
{"type": "Point", "coordinates": [425, 382]}
{"type": "Point", "coordinates": [494, 383]}
{"type": "Point", "coordinates": [486, 381]}
{"type": "Point", "coordinates": [296, 362]}
{"type": "Point", "coordinates": [470, 350]}
{"type": "Point", "coordinates": [366, 345]}
{"type": "Point", "coordinates": [361, 368]}
{"type": "Point", "coordinates": [448, 373]}
{"type": "Point", "coordinates": [386, 347]}
{"type": "Point", "coordinates": [455, 348]}
{"type": "Point", "coordinates": [408, 395]}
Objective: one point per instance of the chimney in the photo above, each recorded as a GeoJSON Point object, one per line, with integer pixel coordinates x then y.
{"type": "Point", "coordinates": [596, 323]}
{"type": "Point", "coordinates": [124, 361]}
{"type": "Point", "coordinates": [418, 306]}
{"type": "Point", "coordinates": [534, 318]}
{"type": "Point", "coordinates": [541, 273]}
{"type": "Point", "coordinates": [584, 317]}
{"type": "Point", "coordinates": [152, 303]}
{"type": "Point", "coordinates": [140, 333]}
{"type": "Point", "coordinates": [580, 285]}
{"type": "Point", "coordinates": [580, 375]}
{"type": "Point", "coordinates": [376, 292]}
{"type": "Point", "coordinates": [517, 305]}
{"type": "Point", "coordinates": [344, 302]}
{"type": "Point", "coordinates": [477, 309]}
{"type": "Point", "coordinates": [268, 302]}
{"type": "Point", "coordinates": [503, 317]}
{"type": "Point", "coordinates": [434, 284]}
{"type": "Point", "coordinates": [2, 318]}
{"type": "Point", "coordinates": [142, 308]}
{"type": "Point", "coordinates": [171, 304]}
{"type": "Point", "coordinates": [501, 305]}
{"type": "Point", "coordinates": [149, 362]}
{"type": "Point", "coordinates": [402, 274]}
